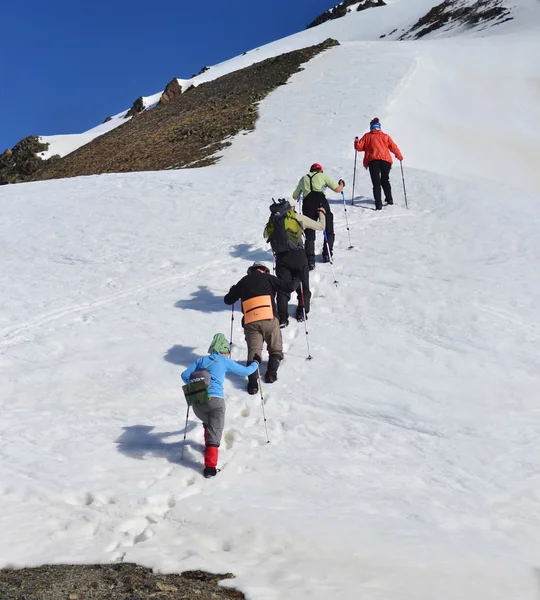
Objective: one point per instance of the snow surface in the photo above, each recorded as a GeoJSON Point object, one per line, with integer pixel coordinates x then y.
{"type": "Point", "coordinates": [404, 458]}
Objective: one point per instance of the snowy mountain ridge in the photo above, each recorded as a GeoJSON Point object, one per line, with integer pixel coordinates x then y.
{"type": "Point", "coordinates": [403, 461]}
{"type": "Point", "coordinates": [401, 19]}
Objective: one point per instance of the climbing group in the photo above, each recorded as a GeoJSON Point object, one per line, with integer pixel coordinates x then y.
{"type": "Point", "coordinates": [264, 298]}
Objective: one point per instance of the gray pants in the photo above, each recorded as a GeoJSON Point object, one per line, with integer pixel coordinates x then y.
{"type": "Point", "coordinates": [263, 331]}
{"type": "Point", "coordinates": [212, 414]}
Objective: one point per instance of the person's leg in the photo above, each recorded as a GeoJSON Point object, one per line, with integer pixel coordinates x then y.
{"type": "Point", "coordinates": [254, 339]}
{"type": "Point", "coordinates": [385, 181]}
{"type": "Point", "coordinates": [214, 431]}
{"type": "Point", "coordinates": [375, 174]}
{"type": "Point", "coordinates": [310, 208]}
{"type": "Point", "coordinates": [330, 236]}
{"type": "Point", "coordinates": [274, 342]}
{"type": "Point", "coordinates": [303, 274]}
{"type": "Point", "coordinates": [283, 272]}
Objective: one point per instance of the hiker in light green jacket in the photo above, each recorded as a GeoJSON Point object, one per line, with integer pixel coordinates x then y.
{"type": "Point", "coordinates": [312, 187]}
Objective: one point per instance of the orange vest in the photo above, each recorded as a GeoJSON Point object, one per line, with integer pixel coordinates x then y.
{"type": "Point", "coordinates": [257, 309]}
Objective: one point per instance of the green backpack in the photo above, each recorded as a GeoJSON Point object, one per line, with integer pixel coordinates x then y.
{"type": "Point", "coordinates": [283, 230]}
{"type": "Point", "coordinates": [196, 391]}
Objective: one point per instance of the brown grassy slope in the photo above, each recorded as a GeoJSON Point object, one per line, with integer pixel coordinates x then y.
{"type": "Point", "coordinates": [189, 130]}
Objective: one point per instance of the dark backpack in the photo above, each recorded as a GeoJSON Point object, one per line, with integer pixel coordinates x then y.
{"type": "Point", "coordinates": [196, 391]}
{"type": "Point", "coordinates": [283, 230]}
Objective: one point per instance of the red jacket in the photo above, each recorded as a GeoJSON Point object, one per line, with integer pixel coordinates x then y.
{"type": "Point", "coordinates": [376, 145]}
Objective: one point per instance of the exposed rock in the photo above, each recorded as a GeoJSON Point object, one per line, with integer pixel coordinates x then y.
{"type": "Point", "coordinates": [22, 161]}
{"type": "Point", "coordinates": [342, 9]}
{"type": "Point", "coordinates": [107, 119]}
{"type": "Point", "coordinates": [172, 90]}
{"type": "Point", "coordinates": [124, 581]}
{"type": "Point", "coordinates": [189, 131]}
{"type": "Point", "coordinates": [203, 70]}
{"type": "Point", "coordinates": [459, 12]}
{"type": "Point", "coordinates": [137, 107]}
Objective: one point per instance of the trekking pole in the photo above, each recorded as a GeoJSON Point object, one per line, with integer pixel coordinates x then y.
{"type": "Point", "coordinates": [403, 180]}
{"type": "Point", "coordinates": [185, 434]}
{"type": "Point", "coordinates": [347, 220]}
{"type": "Point", "coordinates": [300, 201]}
{"type": "Point", "coordinates": [232, 323]}
{"type": "Point", "coordinates": [354, 176]}
{"type": "Point", "coordinates": [330, 257]}
{"type": "Point", "coordinates": [309, 357]}
{"type": "Point", "coordinates": [262, 405]}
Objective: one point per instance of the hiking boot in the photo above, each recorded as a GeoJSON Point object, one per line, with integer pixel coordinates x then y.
{"type": "Point", "coordinates": [210, 472]}
{"type": "Point", "coordinates": [300, 315]}
{"type": "Point", "coordinates": [378, 207]}
{"type": "Point", "coordinates": [253, 383]}
{"type": "Point", "coordinates": [311, 263]}
{"type": "Point", "coordinates": [283, 323]}
{"type": "Point", "coordinates": [273, 366]}
{"type": "Point", "coordinates": [326, 258]}
{"type": "Point", "coordinates": [389, 201]}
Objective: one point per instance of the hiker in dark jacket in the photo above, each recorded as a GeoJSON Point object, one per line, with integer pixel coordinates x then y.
{"type": "Point", "coordinates": [291, 260]}
{"type": "Point", "coordinates": [257, 291]}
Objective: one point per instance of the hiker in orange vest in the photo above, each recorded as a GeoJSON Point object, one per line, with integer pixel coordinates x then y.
{"type": "Point", "coordinates": [377, 146]}
{"type": "Point", "coordinates": [257, 291]}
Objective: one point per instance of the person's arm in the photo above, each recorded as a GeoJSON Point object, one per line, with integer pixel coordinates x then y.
{"type": "Point", "coordinates": [394, 149]}
{"type": "Point", "coordinates": [308, 223]}
{"type": "Point", "coordinates": [360, 144]}
{"type": "Point", "coordinates": [233, 295]}
{"type": "Point", "coordinates": [299, 189]}
{"type": "Point", "coordinates": [233, 367]}
{"type": "Point", "coordinates": [335, 187]}
{"type": "Point", "coordinates": [279, 285]}
{"type": "Point", "coordinates": [185, 375]}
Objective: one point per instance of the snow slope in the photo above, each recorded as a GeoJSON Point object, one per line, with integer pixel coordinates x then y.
{"type": "Point", "coordinates": [403, 462]}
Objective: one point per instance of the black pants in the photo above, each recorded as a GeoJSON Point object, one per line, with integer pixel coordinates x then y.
{"type": "Point", "coordinates": [288, 266]}
{"type": "Point", "coordinates": [310, 208]}
{"type": "Point", "coordinates": [379, 171]}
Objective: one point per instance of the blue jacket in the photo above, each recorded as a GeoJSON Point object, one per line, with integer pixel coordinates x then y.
{"type": "Point", "coordinates": [218, 366]}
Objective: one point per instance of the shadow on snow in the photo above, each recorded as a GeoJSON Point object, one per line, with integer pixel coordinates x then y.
{"type": "Point", "coordinates": [203, 300]}
{"type": "Point", "coordinates": [140, 441]}
{"type": "Point", "coordinates": [249, 252]}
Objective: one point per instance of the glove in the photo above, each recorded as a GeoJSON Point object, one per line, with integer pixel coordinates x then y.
{"type": "Point", "coordinates": [321, 209]}
{"type": "Point", "coordinates": [341, 182]}
{"type": "Point", "coordinates": [257, 359]}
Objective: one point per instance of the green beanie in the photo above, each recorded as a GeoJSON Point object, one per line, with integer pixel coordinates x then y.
{"type": "Point", "coordinates": [219, 344]}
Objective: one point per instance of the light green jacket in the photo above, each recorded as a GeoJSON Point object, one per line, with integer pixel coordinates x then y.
{"type": "Point", "coordinates": [319, 181]}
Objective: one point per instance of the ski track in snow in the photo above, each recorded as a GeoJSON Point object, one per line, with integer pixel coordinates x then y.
{"type": "Point", "coordinates": [403, 459]}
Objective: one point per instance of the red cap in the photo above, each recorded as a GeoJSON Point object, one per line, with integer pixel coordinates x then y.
{"type": "Point", "coordinates": [315, 167]}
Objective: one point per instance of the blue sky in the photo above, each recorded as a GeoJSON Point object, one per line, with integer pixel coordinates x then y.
{"type": "Point", "coordinates": [67, 64]}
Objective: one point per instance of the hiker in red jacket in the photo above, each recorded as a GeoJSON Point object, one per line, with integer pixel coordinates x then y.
{"type": "Point", "coordinates": [377, 146]}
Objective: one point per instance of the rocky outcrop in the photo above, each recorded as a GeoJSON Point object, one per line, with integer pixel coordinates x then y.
{"type": "Point", "coordinates": [191, 130]}
{"type": "Point", "coordinates": [342, 9]}
{"type": "Point", "coordinates": [123, 581]}
{"type": "Point", "coordinates": [459, 12]}
{"type": "Point", "coordinates": [22, 161]}
{"type": "Point", "coordinates": [136, 108]}
{"type": "Point", "coordinates": [107, 119]}
{"type": "Point", "coordinates": [172, 91]}
{"type": "Point", "coordinates": [203, 70]}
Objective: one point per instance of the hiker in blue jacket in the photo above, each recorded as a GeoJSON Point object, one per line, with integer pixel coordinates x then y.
{"type": "Point", "coordinates": [212, 413]}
